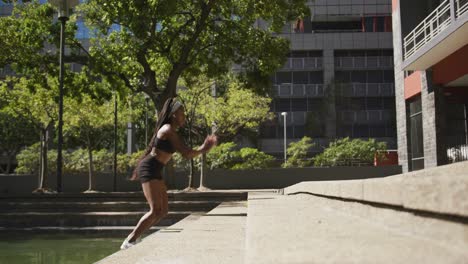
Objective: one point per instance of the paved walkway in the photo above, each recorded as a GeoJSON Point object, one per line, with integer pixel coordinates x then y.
{"type": "Point", "coordinates": [216, 237]}
{"type": "Point", "coordinates": [309, 229]}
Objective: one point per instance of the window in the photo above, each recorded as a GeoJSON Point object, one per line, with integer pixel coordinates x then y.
{"type": "Point", "coordinates": [299, 131]}
{"type": "Point", "coordinates": [368, 24]}
{"type": "Point", "coordinates": [283, 77]}
{"type": "Point", "coordinates": [416, 145]}
{"type": "Point", "coordinates": [299, 104]}
{"type": "Point", "coordinates": [375, 76]}
{"type": "Point", "coordinates": [361, 131]}
{"type": "Point", "coordinates": [342, 76]}
{"type": "Point", "coordinates": [300, 77]}
{"type": "Point", "coordinates": [377, 131]}
{"type": "Point", "coordinates": [314, 104]}
{"type": "Point", "coordinates": [379, 24]}
{"type": "Point", "coordinates": [388, 77]}
{"type": "Point", "coordinates": [282, 105]}
{"type": "Point", "coordinates": [336, 26]}
{"type": "Point", "coordinates": [389, 103]}
{"type": "Point", "coordinates": [376, 24]}
{"type": "Point", "coordinates": [373, 103]}
{"type": "Point", "coordinates": [358, 76]}
{"type": "Point", "coordinates": [316, 77]}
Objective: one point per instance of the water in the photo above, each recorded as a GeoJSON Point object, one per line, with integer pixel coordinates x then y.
{"type": "Point", "coordinates": [55, 248]}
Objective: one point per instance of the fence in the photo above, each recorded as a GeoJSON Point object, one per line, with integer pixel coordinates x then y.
{"type": "Point", "coordinates": [457, 153]}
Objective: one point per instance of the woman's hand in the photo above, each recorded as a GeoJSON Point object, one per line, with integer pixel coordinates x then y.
{"type": "Point", "coordinates": [210, 141]}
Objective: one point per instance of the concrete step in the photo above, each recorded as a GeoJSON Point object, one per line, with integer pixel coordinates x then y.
{"type": "Point", "coordinates": [127, 196]}
{"type": "Point", "coordinates": [83, 219]}
{"type": "Point", "coordinates": [105, 206]}
{"type": "Point", "coordinates": [216, 237]}
{"type": "Point", "coordinates": [305, 228]}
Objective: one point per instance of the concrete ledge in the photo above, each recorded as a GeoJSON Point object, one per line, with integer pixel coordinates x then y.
{"type": "Point", "coordinates": [442, 190]}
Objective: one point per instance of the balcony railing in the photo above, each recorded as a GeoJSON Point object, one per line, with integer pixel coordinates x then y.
{"type": "Point", "coordinates": [366, 89]}
{"type": "Point", "coordinates": [432, 25]}
{"type": "Point", "coordinates": [298, 90]}
{"type": "Point", "coordinates": [366, 116]}
{"type": "Point", "coordinates": [303, 63]}
{"type": "Point", "coordinates": [461, 7]}
{"type": "Point", "coordinates": [364, 62]}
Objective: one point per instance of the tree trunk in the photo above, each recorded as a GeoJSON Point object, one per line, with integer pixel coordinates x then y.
{"type": "Point", "coordinates": [43, 159]}
{"type": "Point", "coordinates": [9, 161]}
{"type": "Point", "coordinates": [190, 176]}
{"type": "Point", "coordinates": [91, 185]}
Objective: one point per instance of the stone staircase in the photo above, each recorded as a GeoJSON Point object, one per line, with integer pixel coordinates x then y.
{"type": "Point", "coordinates": [106, 213]}
{"type": "Point", "coordinates": [418, 217]}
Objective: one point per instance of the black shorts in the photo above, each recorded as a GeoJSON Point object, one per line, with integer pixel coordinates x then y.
{"type": "Point", "coordinates": [150, 169]}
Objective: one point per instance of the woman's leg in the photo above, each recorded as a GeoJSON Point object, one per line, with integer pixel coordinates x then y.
{"type": "Point", "coordinates": [156, 196]}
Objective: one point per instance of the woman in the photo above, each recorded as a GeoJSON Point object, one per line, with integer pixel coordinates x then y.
{"type": "Point", "coordinates": [163, 144]}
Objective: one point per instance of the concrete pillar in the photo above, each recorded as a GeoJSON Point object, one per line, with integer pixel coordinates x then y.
{"type": "Point", "coordinates": [433, 102]}
{"type": "Point", "coordinates": [401, 112]}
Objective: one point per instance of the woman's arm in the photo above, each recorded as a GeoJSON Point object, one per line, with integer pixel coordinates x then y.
{"type": "Point", "coordinates": [187, 152]}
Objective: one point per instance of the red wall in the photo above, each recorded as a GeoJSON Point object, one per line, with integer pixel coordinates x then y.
{"type": "Point", "coordinates": [452, 67]}
{"type": "Point", "coordinates": [413, 85]}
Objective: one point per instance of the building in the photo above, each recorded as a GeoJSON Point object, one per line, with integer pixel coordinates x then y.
{"type": "Point", "coordinates": [338, 80]}
{"type": "Point", "coordinates": [430, 39]}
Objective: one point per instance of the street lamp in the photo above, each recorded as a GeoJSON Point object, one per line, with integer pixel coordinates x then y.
{"type": "Point", "coordinates": [284, 114]}
{"type": "Point", "coordinates": [115, 142]}
{"type": "Point", "coordinates": [64, 7]}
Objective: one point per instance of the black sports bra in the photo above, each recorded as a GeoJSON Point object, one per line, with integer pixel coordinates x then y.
{"type": "Point", "coordinates": [164, 145]}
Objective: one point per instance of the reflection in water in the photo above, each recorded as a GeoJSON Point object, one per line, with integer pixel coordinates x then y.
{"type": "Point", "coordinates": [55, 248]}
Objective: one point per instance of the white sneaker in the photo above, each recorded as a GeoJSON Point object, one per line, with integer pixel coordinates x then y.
{"type": "Point", "coordinates": [127, 244]}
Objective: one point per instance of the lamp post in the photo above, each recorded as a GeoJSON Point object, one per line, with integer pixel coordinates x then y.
{"type": "Point", "coordinates": [115, 142]}
{"type": "Point", "coordinates": [64, 7]}
{"type": "Point", "coordinates": [284, 114]}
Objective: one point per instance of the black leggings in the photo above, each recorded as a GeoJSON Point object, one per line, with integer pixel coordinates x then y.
{"type": "Point", "coordinates": [149, 169]}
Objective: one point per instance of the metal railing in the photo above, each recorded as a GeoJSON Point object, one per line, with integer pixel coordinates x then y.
{"type": "Point", "coordinates": [366, 89]}
{"type": "Point", "coordinates": [366, 116]}
{"type": "Point", "coordinates": [364, 62]}
{"type": "Point", "coordinates": [429, 28]}
{"type": "Point", "coordinates": [457, 153]}
{"type": "Point", "coordinates": [298, 90]}
{"type": "Point", "coordinates": [461, 6]}
{"type": "Point", "coordinates": [303, 63]}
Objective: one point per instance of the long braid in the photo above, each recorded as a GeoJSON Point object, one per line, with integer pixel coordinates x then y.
{"type": "Point", "coordinates": [163, 118]}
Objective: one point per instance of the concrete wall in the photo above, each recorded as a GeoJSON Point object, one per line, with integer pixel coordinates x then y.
{"type": "Point", "coordinates": [217, 179]}
{"type": "Point", "coordinates": [280, 178]}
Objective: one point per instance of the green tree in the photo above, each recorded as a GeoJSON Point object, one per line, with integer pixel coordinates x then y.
{"type": "Point", "coordinates": [16, 133]}
{"type": "Point", "coordinates": [29, 38]}
{"type": "Point", "coordinates": [347, 152]}
{"type": "Point", "coordinates": [90, 122]}
{"type": "Point", "coordinates": [161, 41]}
{"type": "Point", "coordinates": [236, 109]}
{"type": "Point", "coordinates": [297, 153]}
{"type": "Point", "coordinates": [33, 101]}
